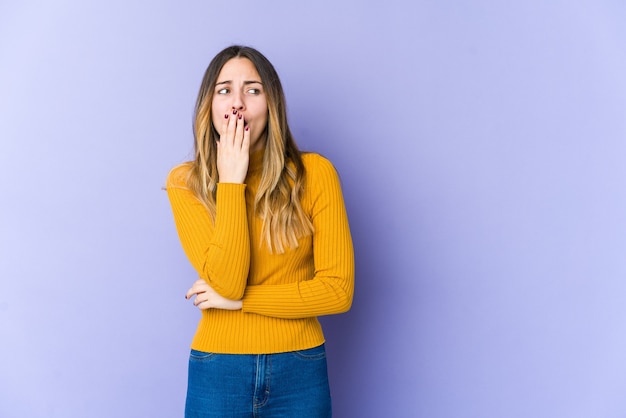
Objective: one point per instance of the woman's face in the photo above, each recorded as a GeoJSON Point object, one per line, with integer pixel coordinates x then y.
{"type": "Point", "coordinates": [239, 87]}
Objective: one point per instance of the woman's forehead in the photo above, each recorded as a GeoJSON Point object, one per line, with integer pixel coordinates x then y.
{"type": "Point", "coordinates": [238, 69]}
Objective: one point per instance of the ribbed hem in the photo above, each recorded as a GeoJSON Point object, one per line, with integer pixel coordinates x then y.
{"type": "Point", "coordinates": [235, 332]}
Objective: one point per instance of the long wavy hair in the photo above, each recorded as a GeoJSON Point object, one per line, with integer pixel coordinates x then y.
{"type": "Point", "coordinates": [278, 198]}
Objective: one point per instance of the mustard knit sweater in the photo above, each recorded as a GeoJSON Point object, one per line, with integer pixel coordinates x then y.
{"type": "Point", "coordinates": [282, 293]}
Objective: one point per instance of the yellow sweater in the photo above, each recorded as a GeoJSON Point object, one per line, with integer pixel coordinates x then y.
{"type": "Point", "coordinates": [282, 293]}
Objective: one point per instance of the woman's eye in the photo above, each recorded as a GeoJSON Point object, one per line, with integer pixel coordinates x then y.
{"type": "Point", "coordinates": [222, 91]}
{"type": "Point", "coordinates": [254, 91]}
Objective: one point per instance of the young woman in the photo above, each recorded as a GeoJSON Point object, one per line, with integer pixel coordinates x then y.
{"type": "Point", "coordinates": [266, 229]}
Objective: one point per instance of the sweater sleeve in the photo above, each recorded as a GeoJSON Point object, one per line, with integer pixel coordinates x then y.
{"type": "Point", "coordinates": [219, 252]}
{"type": "Point", "coordinates": [331, 288]}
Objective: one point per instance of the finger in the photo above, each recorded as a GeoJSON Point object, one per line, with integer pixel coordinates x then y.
{"type": "Point", "coordinates": [238, 140]}
{"type": "Point", "coordinates": [224, 125]}
{"type": "Point", "coordinates": [199, 286]}
{"type": "Point", "coordinates": [245, 145]}
{"type": "Point", "coordinates": [230, 129]}
{"type": "Point", "coordinates": [203, 305]}
{"type": "Point", "coordinates": [203, 301]}
{"type": "Point", "coordinates": [193, 290]}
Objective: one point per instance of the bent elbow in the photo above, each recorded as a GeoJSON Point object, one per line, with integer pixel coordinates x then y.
{"type": "Point", "coordinates": [346, 303]}
{"type": "Point", "coordinates": [344, 300]}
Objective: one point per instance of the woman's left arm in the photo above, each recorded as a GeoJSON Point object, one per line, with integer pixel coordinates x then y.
{"type": "Point", "coordinates": [331, 288]}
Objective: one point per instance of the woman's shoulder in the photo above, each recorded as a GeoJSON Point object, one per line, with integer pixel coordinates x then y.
{"type": "Point", "coordinates": [319, 171]}
{"type": "Point", "coordinates": [314, 162]}
{"type": "Point", "coordinates": [177, 177]}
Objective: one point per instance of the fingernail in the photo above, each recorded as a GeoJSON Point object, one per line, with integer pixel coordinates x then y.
{"type": "Point", "coordinates": [226, 116]}
{"type": "Point", "coordinates": [240, 116]}
{"type": "Point", "coordinates": [247, 128]}
{"type": "Point", "coordinates": [234, 111]}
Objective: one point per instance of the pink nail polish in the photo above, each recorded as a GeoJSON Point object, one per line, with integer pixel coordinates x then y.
{"type": "Point", "coordinates": [247, 128]}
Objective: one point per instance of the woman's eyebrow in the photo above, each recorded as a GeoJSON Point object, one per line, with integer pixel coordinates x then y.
{"type": "Point", "coordinates": [245, 82]}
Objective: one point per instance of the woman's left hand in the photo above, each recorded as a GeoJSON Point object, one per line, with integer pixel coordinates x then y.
{"type": "Point", "coordinates": [207, 298]}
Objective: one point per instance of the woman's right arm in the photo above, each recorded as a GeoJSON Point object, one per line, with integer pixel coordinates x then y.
{"type": "Point", "coordinates": [219, 252]}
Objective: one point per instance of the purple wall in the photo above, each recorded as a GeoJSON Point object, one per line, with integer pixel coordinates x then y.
{"type": "Point", "coordinates": [482, 150]}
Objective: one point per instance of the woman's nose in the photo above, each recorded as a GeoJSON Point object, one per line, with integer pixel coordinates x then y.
{"type": "Point", "coordinates": [238, 102]}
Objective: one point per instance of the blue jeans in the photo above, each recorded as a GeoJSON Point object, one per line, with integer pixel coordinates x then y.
{"type": "Point", "coordinates": [293, 384]}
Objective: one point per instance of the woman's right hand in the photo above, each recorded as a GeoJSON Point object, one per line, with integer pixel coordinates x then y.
{"type": "Point", "coordinates": [233, 149]}
{"type": "Point", "coordinates": [207, 298]}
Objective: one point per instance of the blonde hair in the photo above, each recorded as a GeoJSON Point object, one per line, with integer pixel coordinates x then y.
{"type": "Point", "coordinates": [278, 198]}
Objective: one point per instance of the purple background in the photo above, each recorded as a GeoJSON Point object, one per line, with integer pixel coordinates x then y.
{"type": "Point", "coordinates": [481, 147]}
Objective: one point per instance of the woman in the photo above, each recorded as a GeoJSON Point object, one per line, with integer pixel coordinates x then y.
{"type": "Point", "coordinates": [266, 229]}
